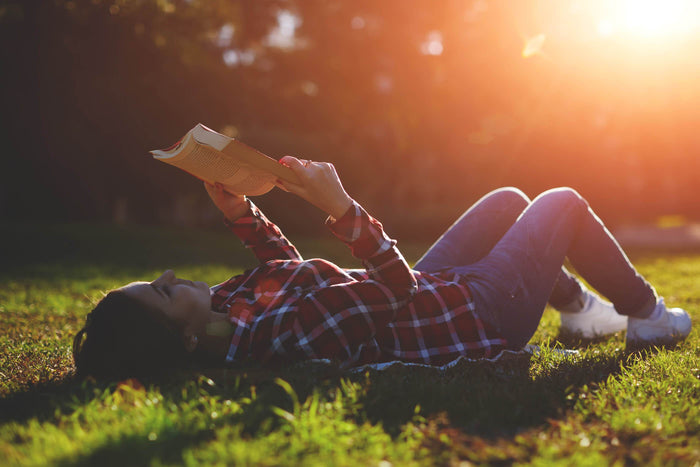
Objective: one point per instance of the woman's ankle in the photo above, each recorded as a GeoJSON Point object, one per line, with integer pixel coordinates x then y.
{"type": "Point", "coordinates": [575, 304]}
{"type": "Point", "coordinates": [649, 310]}
{"type": "Point", "coordinates": [571, 300]}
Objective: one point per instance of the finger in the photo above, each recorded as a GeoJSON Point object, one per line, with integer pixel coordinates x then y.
{"type": "Point", "coordinates": [220, 190]}
{"type": "Point", "coordinates": [293, 163]}
{"type": "Point", "coordinates": [292, 187]}
{"type": "Point", "coordinates": [287, 160]}
{"type": "Point", "coordinates": [280, 184]}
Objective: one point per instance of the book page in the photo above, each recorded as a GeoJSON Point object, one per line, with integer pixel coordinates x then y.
{"type": "Point", "coordinates": [207, 163]}
{"type": "Point", "coordinates": [212, 166]}
{"type": "Point", "coordinates": [255, 183]}
{"type": "Point", "coordinates": [214, 157]}
{"type": "Point", "coordinates": [205, 135]}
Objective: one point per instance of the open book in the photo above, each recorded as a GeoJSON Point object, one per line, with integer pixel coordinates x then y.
{"type": "Point", "coordinates": [213, 157]}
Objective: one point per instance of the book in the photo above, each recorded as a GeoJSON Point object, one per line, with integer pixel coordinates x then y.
{"type": "Point", "coordinates": [213, 157]}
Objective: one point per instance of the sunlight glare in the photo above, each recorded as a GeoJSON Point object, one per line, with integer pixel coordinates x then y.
{"type": "Point", "coordinates": [605, 27]}
{"type": "Point", "coordinates": [533, 45]}
{"type": "Point", "coordinates": [283, 35]}
{"type": "Point", "coordinates": [432, 44]}
{"type": "Point", "coordinates": [651, 18]}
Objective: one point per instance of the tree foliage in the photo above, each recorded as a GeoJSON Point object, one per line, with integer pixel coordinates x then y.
{"type": "Point", "coordinates": [422, 105]}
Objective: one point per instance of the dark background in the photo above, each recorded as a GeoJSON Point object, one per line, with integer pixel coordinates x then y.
{"type": "Point", "coordinates": [422, 105]}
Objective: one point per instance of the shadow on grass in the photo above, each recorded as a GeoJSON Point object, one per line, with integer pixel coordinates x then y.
{"type": "Point", "coordinates": [137, 450]}
{"type": "Point", "coordinates": [484, 399]}
{"type": "Point", "coordinates": [46, 400]}
{"type": "Point", "coordinates": [61, 397]}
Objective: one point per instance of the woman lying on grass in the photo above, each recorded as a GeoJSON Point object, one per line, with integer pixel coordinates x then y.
{"type": "Point", "coordinates": [481, 288]}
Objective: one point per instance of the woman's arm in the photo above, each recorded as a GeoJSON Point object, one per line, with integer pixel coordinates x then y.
{"type": "Point", "coordinates": [250, 225]}
{"type": "Point", "coordinates": [319, 185]}
{"type": "Point", "coordinates": [232, 206]}
{"type": "Point", "coordinates": [339, 320]}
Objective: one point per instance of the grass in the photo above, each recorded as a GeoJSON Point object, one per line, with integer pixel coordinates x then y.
{"type": "Point", "coordinates": [604, 406]}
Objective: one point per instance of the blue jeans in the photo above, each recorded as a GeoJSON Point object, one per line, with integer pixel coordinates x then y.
{"type": "Point", "coordinates": [511, 251]}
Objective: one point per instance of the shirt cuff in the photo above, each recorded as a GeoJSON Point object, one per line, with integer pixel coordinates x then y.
{"type": "Point", "coordinates": [362, 233]}
{"type": "Point", "coordinates": [347, 226]}
{"type": "Point", "coordinates": [330, 220]}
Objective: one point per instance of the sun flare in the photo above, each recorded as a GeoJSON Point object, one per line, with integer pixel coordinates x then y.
{"type": "Point", "coordinates": [650, 18]}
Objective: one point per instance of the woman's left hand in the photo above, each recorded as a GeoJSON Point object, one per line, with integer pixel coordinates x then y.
{"type": "Point", "coordinates": [232, 206]}
{"type": "Point", "coordinates": [319, 185]}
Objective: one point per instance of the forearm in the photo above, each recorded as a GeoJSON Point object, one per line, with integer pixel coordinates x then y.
{"type": "Point", "coordinates": [336, 206]}
{"type": "Point", "coordinates": [235, 213]}
{"type": "Point", "coordinates": [262, 236]}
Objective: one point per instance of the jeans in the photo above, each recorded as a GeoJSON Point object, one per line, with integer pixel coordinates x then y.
{"type": "Point", "coordinates": [511, 251]}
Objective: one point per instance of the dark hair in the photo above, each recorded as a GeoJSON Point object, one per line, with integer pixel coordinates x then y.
{"type": "Point", "coordinates": [124, 337]}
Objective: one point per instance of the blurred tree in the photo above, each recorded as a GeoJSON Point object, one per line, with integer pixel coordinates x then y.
{"type": "Point", "coordinates": [423, 105]}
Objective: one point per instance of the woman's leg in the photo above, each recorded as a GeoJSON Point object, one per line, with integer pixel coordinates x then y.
{"type": "Point", "coordinates": [479, 229]}
{"type": "Point", "coordinates": [518, 276]}
{"type": "Point", "coordinates": [476, 232]}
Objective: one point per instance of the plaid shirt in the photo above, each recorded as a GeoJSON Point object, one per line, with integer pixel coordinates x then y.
{"type": "Point", "coordinates": [289, 309]}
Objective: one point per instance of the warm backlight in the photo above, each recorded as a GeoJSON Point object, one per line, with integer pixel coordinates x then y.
{"type": "Point", "coordinates": [650, 18]}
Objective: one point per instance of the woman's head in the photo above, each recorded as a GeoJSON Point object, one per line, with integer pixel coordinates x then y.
{"type": "Point", "coordinates": [185, 303]}
{"type": "Point", "coordinates": [142, 328]}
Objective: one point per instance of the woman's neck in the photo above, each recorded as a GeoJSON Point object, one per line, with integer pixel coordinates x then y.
{"type": "Point", "coordinates": [216, 340]}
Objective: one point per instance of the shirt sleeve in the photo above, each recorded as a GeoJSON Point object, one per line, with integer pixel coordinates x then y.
{"type": "Point", "coordinates": [369, 243]}
{"type": "Point", "coordinates": [262, 236]}
{"type": "Point", "coordinates": [338, 320]}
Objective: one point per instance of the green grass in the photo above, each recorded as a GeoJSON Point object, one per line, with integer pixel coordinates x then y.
{"type": "Point", "coordinates": [604, 406]}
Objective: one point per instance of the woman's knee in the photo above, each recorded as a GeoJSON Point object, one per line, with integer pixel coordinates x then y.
{"type": "Point", "coordinates": [564, 197]}
{"type": "Point", "coordinates": [508, 196]}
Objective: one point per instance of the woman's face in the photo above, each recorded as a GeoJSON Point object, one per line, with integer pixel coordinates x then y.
{"type": "Point", "coordinates": [186, 303]}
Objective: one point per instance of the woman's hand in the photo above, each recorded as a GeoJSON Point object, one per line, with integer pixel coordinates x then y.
{"type": "Point", "coordinates": [319, 185]}
{"type": "Point", "coordinates": [232, 206]}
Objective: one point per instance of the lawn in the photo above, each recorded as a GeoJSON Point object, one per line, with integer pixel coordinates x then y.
{"type": "Point", "coordinates": [602, 406]}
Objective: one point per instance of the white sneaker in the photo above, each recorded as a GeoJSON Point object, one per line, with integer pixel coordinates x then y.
{"type": "Point", "coordinates": [596, 318]}
{"type": "Point", "coordinates": [673, 326]}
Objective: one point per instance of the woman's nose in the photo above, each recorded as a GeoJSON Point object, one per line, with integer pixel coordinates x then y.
{"type": "Point", "coordinates": [167, 276]}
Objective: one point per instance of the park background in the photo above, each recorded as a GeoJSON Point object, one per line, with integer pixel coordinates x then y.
{"type": "Point", "coordinates": [423, 106]}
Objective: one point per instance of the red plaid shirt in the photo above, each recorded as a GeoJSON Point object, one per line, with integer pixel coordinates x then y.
{"type": "Point", "coordinates": [289, 309]}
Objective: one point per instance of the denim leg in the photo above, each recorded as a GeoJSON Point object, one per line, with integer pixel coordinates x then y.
{"type": "Point", "coordinates": [517, 277]}
{"type": "Point", "coordinates": [478, 230]}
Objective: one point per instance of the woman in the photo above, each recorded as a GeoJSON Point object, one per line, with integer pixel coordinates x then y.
{"type": "Point", "coordinates": [481, 288]}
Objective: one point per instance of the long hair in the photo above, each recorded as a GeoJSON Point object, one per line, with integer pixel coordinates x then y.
{"type": "Point", "coordinates": [123, 337]}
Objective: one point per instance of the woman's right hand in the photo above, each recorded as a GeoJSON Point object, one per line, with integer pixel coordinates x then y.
{"type": "Point", "coordinates": [232, 206]}
{"type": "Point", "coordinates": [319, 184]}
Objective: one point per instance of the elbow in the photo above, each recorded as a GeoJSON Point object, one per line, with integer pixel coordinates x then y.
{"type": "Point", "coordinates": [405, 293]}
